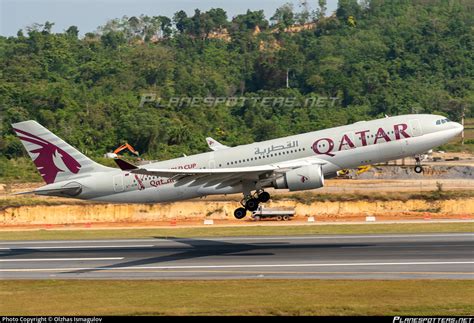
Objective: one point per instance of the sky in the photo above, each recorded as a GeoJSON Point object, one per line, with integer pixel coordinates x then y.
{"type": "Point", "coordinates": [87, 15]}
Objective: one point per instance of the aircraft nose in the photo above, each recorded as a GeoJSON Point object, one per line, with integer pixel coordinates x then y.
{"type": "Point", "coordinates": [458, 127]}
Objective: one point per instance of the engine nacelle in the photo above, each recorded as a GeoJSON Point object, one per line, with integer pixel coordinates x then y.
{"type": "Point", "coordinates": [303, 178]}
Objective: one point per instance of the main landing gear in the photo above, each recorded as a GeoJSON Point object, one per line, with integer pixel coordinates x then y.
{"type": "Point", "coordinates": [418, 167]}
{"type": "Point", "coordinates": [251, 202]}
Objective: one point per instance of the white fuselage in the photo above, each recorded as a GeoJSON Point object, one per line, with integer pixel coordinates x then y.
{"type": "Point", "coordinates": [361, 143]}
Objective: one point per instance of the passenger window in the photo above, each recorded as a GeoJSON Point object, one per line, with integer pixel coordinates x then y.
{"type": "Point", "coordinates": [438, 122]}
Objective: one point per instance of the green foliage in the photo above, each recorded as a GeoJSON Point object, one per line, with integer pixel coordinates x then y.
{"type": "Point", "coordinates": [400, 57]}
{"type": "Point", "coordinates": [18, 170]}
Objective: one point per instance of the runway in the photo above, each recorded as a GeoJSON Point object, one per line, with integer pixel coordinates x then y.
{"type": "Point", "coordinates": [378, 256]}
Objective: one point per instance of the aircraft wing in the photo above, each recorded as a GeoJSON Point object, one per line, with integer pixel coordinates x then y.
{"type": "Point", "coordinates": [166, 172]}
{"type": "Point", "coordinates": [215, 145]}
{"type": "Point", "coordinates": [229, 176]}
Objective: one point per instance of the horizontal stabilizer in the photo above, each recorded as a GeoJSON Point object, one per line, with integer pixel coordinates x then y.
{"type": "Point", "coordinates": [63, 191]}
{"type": "Point", "coordinates": [124, 165]}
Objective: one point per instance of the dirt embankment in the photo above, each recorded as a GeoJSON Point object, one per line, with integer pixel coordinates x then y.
{"type": "Point", "coordinates": [223, 210]}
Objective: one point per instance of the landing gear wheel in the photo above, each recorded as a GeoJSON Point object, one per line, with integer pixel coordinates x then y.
{"type": "Point", "coordinates": [263, 197]}
{"type": "Point", "coordinates": [418, 169]}
{"type": "Point", "coordinates": [286, 218]}
{"type": "Point", "coordinates": [240, 213]}
{"type": "Point", "coordinates": [251, 204]}
{"type": "Point", "coordinates": [279, 218]}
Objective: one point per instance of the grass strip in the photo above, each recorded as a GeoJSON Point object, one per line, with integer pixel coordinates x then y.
{"type": "Point", "coordinates": [283, 230]}
{"type": "Point", "coordinates": [237, 297]}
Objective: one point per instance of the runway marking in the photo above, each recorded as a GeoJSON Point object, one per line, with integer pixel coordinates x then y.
{"type": "Point", "coordinates": [62, 259]}
{"type": "Point", "coordinates": [467, 234]}
{"type": "Point", "coordinates": [83, 241]}
{"type": "Point", "coordinates": [300, 272]}
{"type": "Point", "coordinates": [245, 266]}
{"type": "Point", "coordinates": [341, 237]}
{"type": "Point", "coordinates": [79, 247]}
{"type": "Point", "coordinates": [468, 244]}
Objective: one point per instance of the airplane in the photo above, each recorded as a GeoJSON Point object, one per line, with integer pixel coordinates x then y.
{"type": "Point", "coordinates": [298, 162]}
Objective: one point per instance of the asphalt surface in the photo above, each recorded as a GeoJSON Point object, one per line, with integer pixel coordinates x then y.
{"type": "Point", "coordinates": [381, 256]}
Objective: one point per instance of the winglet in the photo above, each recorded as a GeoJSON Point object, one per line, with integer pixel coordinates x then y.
{"type": "Point", "coordinates": [124, 165]}
{"type": "Point", "coordinates": [215, 145]}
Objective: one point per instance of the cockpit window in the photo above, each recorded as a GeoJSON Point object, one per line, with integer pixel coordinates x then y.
{"type": "Point", "coordinates": [442, 121]}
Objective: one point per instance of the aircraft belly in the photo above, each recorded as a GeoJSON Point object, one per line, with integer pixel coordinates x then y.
{"type": "Point", "coordinates": [391, 150]}
{"type": "Point", "coordinates": [152, 195]}
{"type": "Point", "coordinates": [212, 190]}
{"type": "Point", "coordinates": [353, 158]}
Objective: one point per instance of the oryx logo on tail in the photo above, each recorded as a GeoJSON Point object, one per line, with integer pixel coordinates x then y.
{"type": "Point", "coordinates": [51, 159]}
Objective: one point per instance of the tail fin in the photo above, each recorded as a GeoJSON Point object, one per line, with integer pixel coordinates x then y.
{"type": "Point", "coordinates": [55, 159]}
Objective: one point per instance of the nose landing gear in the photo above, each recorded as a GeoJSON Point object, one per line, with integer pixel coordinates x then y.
{"type": "Point", "coordinates": [418, 168]}
{"type": "Point", "coordinates": [250, 203]}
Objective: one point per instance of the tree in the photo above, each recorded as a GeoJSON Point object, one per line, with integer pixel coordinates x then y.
{"type": "Point", "coordinates": [284, 16]}
{"type": "Point", "coordinates": [196, 23]}
{"type": "Point", "coordinates": [47, 27]}
{"type": "Point", "coordinates": [113, 39]}
{"type": "Point", "coordinates": [321, 10]}
{"type": "Point", "coordinates": [182, 22]}
{"type": "Point", "coordinates": [250, 20]}
{"type": "Point", "coordinates": [403, 54]}
{"type": "Point", "coordinates": [303, 16]}
{"type": "Point", "coordinates": [347, 8]}
{"type": "Point", "coordinates": [165, 26]}
{"type": "Point", "coordinates": [72, 31]}
{"type": "Point", "coordinates": [218, 17]}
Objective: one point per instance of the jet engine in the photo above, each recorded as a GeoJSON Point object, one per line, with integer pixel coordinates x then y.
{"type": "Point", "coordinates": [302, 178]}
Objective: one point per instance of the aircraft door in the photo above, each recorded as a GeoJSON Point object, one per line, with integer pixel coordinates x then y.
{"type": "Point", "coordinates": [415, 128]}
{"type": "Point", "coordinates": [212, 162]}
{"type": "Point", "coordinates": [118, 183]}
